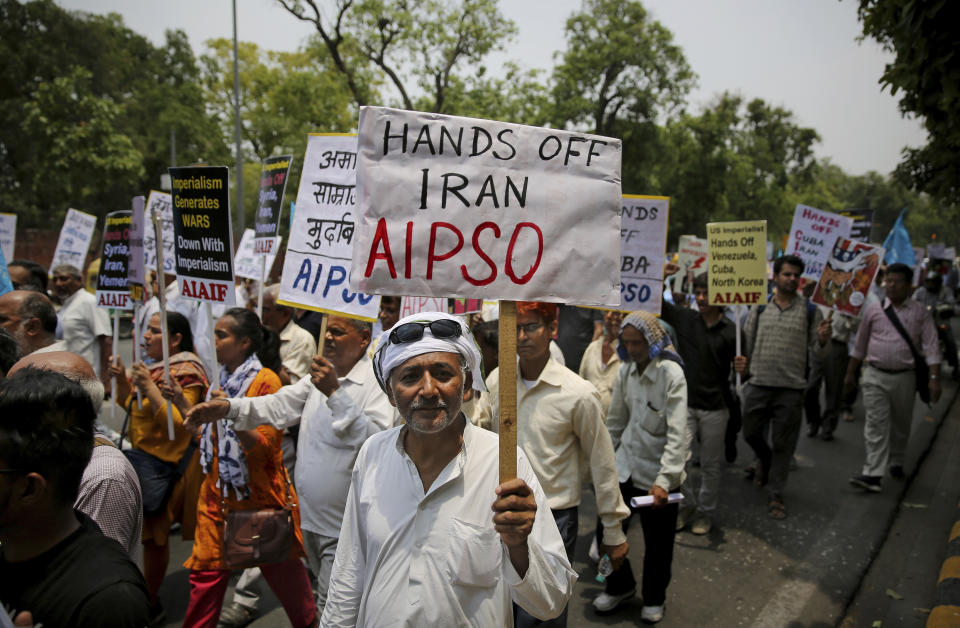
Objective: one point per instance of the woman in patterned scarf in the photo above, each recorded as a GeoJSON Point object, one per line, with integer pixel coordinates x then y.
{"type": "Point", "coordinates": [148, 433]}
{"type": "Point", "coordinates": [244, 471]}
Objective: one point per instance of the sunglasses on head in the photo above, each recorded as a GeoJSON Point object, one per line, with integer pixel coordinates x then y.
{"type": "Point", "coordinates": [412, 332]}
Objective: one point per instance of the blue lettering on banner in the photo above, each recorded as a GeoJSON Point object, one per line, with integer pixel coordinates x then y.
{"type": "Point", "coordinates": [631, 292]}
{"type": "Point", "coordinates": [336, 276]}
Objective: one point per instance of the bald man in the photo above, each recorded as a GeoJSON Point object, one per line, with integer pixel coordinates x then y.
{"type": "Point", "coordinates": [109, 489]}
{"type": "Point", "coordinates": [30, 317]}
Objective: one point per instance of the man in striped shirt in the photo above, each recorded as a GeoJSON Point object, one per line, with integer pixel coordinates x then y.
{"type": "Point", "coordinates": [889, 377]}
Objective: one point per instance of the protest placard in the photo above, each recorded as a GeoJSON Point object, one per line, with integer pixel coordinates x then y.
{"type": "Point", "coordinates": [848, 275]}
{"type": "Point", "coordinates": [692, 260]}
{"type": "Point", "coordinates": [466, 306]}
{"type": "Point", "coordinates": [936, 251]}
{"type": "Point", "coordinates": [415, 305]}
{"type": "Point", "coordinates": [203, 237]}
{"type": "Point", "coordinates": [74, 241]}
{"type": "Point", "coordinates": [162, 204]}
{"type": "Point", "coordinates": [736, 261]}
{"type": "Point", "coordinates": [112, 290]}
{"type": "Point", "coordinates": [862, 228]}
{"type": "Point", "coordinates": [6, 284]}
{"type": "Point", "coordinates": [8, 235]}
{"type": "Point", "coordinates": [246, 263]}
{"type": "Point", "coordinates": [317, 265]}
{"type": "Point", "coordinates": [447, 205]}
{"type": "Point", "coordinates": [643, 247]}
{"type": "Point", "coordinates": [918, 254]}
{"type": "Point", "coordinates": [812, 235]}
{"type": "Point", "coordinates": [273, 181]}
{"type": "Point", "coordinates": [950, 253]}
{"type": "Point", "coordinates": [136, 275]}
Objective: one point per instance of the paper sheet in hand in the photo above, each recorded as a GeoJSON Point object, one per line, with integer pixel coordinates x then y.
{"type": "Point", "coordinates": [642, 501]}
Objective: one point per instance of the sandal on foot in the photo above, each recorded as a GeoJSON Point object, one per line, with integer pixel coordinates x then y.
{"type": "Point", "coordinates": [776, 509]}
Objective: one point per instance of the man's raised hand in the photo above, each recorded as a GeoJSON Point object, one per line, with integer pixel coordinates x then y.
{"type": "Point", "coordinates": [206, 412]}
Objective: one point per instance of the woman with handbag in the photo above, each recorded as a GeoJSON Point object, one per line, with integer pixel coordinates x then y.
{"type": "Point", "coordinates": [247, 515]}
{"type": "Point", "coordinates": [169, 470]}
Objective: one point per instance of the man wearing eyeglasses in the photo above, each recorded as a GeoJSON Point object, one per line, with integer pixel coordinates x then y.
{"type": "Point", "coordinates": [560, 424]}
{"type": "Point", "coordinates": [430, 537]}
{"type": "Point", "coordinates": [338, 406]}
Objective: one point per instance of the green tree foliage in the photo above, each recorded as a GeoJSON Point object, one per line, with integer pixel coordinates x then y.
{"type": "Point", "coordinates": [86, 108]}
{"type": "Point", "coordinates": [926, 72]}
{"type": "Point", "coordinates": [409, 44]}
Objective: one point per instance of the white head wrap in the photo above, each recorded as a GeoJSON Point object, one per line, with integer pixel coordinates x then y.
{"type": "Point", "coordinates": [390, 356]}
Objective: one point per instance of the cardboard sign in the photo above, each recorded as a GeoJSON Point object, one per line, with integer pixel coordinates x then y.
{"type": "Point", "coordinates": [273, 181]}
{"type": "Point", "coordinates": [415, 305]}
{"type": "Point", "coordinates": [848, 275]}
{"type": "Point", "coordinates": [136, 275]}
{"type": "Point", "coordinates": [112, 290]}
{"type": "Point", "coordinates": [918, 254]}
{"type": "Point", "coordinates": [643, 246]}
{"type": "Point", "coordinates": [8, 235]}
{"type": "Point", "coordinates": [936, 251]}
{"type": "Point", "coordinates": [74, 239]}
{"type": "Point", "coordinates": [812, 235]}
{"type": "Point", "coordinates": [862, 228]}
{"type": "Point", "coordinates": [162, 203]}
{"type": "Point", "coordinates": [246, 263]}
{"type": "Point", "coordinates": [204, 239]}
{"type": "Point", "coordinates": [737, 263]}
{"type": "Point", "coordinates": [950, 253]}
{"type": "Point", "coordinates": [692, 260]}
{"type": "Point", "coordinates": [317, 266]}
{"type": "Point", "coordinates": [452, 206]}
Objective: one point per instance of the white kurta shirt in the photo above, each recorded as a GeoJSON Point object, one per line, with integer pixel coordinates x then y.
{"type": "Point", "coordinates": [406, 558]}
{"type": "Point", "coordinates": [297, 348]}
{"type": "Point", "coordinates": [332, 429]}
{"type": "Point", "coordinates": [82, 323]}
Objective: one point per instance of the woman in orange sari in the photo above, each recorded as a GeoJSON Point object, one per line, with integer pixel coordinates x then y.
{"type": "Point", "coordinates": [244, 471]}
{"type": "Point", "coordinates": [149, 433]}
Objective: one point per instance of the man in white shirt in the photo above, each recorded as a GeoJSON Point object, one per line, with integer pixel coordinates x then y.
{"type": "Point", "coordinates": [648, 423]}
{"type": "Point", "coordinates": [86, 327]}
{"type": "Point", "coordinates": [338, 406]}
{"type": "Point", "coordinates": [560, 427]}
{"type": "Point", "coordinates": [297, 346]}
{"type": "Point", "coordinates": [29, 316]}
{"type": "Point", "coordinates": [421, 544]}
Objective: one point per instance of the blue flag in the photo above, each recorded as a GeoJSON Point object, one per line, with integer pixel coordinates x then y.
{"type": "Point", "coordinates": [897, 244]}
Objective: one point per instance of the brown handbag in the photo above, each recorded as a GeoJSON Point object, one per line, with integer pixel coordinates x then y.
{"type": "Point", "coordinates": [258, 537]}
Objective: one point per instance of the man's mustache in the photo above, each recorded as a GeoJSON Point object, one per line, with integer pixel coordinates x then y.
{"type": "Point", "coordinates": [421, 404]}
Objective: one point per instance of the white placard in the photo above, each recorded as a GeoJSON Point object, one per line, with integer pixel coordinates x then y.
{"type": "Point", "coordinates": [8, 235]}
{"type": "Point", "coordinates": [936, 251]}
{"type": "Point", "coordinates": [163, 203]}
{"type": "Point", "coordinates": [918, 254]}
{"type": "Point", "coordinates": [415, 305]}
{"type": "Point", "coordinates": [74, 240]}
{"type": "Point", "coordinates": [643, 246]}
{"type": "Point", "coordinates": [950, 253]}
{"type": "Point", "coordinates": [246, 263]}
{"type": "Point", "coordinates": [316, 269]}
{"type": "Point", "coordinates": [457, 207]}
{"type": "Point", "coordinates": [812, 236]}
{"type": "Point", "coordinates": [692, 260]}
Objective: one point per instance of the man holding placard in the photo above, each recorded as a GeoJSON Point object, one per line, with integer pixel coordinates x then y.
{"type": "Point", "coordinates": [86, 327]}
{"type": "Point", "coordinates": [779, 337]}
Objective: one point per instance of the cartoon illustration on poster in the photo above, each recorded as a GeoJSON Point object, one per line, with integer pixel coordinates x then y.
{"type": "Point", "coordinates": [848, 275]}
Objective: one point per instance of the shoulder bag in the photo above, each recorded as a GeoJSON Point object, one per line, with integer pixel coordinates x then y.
{"type": "Point", "coordinates": [919, 363]}
{"type": "Point", "coordinates": [258, 537]}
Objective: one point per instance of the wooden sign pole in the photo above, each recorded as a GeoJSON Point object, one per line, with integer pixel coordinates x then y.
{"type": "Point", "coordinates": [508, 390]}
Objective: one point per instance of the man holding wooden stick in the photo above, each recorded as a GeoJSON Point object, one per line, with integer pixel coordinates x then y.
{"type": "Point", "coordinates": [421, 543]}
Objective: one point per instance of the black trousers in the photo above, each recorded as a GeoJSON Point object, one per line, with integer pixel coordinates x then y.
{"type": "Point", "coordinates": [568, 522]}
{"type": "Point", "coordinates": [659, 530]}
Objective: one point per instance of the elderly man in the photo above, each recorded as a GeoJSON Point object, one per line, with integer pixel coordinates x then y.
{"type": "Point", "coordinates": [893, 335]}
{"type": "Point", "coordinates": [420, 545]}
{"type": "Point", "coordinates": [297, 346]}
{"type": "Point", "coordinates": [86, 327]}
{"type": "Point", "coordinates": [30, 317]}
{"type": "Point", "coordinates": [109, 489]}
{"type": "Point", "coordinates": [338, 406]}
{"type": "Point", "coordinates": [27, 275]}
{"type": "Point", "coordinates": [560, 426]}
{"type": "Point", "coordinates": [56, 567]}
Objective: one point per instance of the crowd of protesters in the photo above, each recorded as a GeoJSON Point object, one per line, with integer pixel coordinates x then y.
{"type": "Point", "coordinates": [356, 473]}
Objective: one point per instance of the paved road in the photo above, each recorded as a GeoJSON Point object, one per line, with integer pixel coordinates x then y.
{"type": "Point", "coordinates": [812, 569]}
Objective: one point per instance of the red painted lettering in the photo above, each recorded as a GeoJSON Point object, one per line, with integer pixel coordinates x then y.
{"type": "Point", "coordinates": [381, 237]}
{"type": "Point", "coordinates": [480, 252]}
{"type": "Point", "coordinates": [509, 262]}
{"type": "Point", "coordinates": [431, 255]}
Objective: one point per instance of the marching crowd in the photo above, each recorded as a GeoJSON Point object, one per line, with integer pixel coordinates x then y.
{"type": "Point", "coordinates": [360, 481]}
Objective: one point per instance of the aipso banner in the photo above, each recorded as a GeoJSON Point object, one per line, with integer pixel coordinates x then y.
{"type": "Point", "coordinates": [643, 246]}
{"type": "Point", "coordinates": [452, 207]}
{"type": "Point", "coordinates": [812, 235]}
{"type": "Point", "coordinates": [317, 266]}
